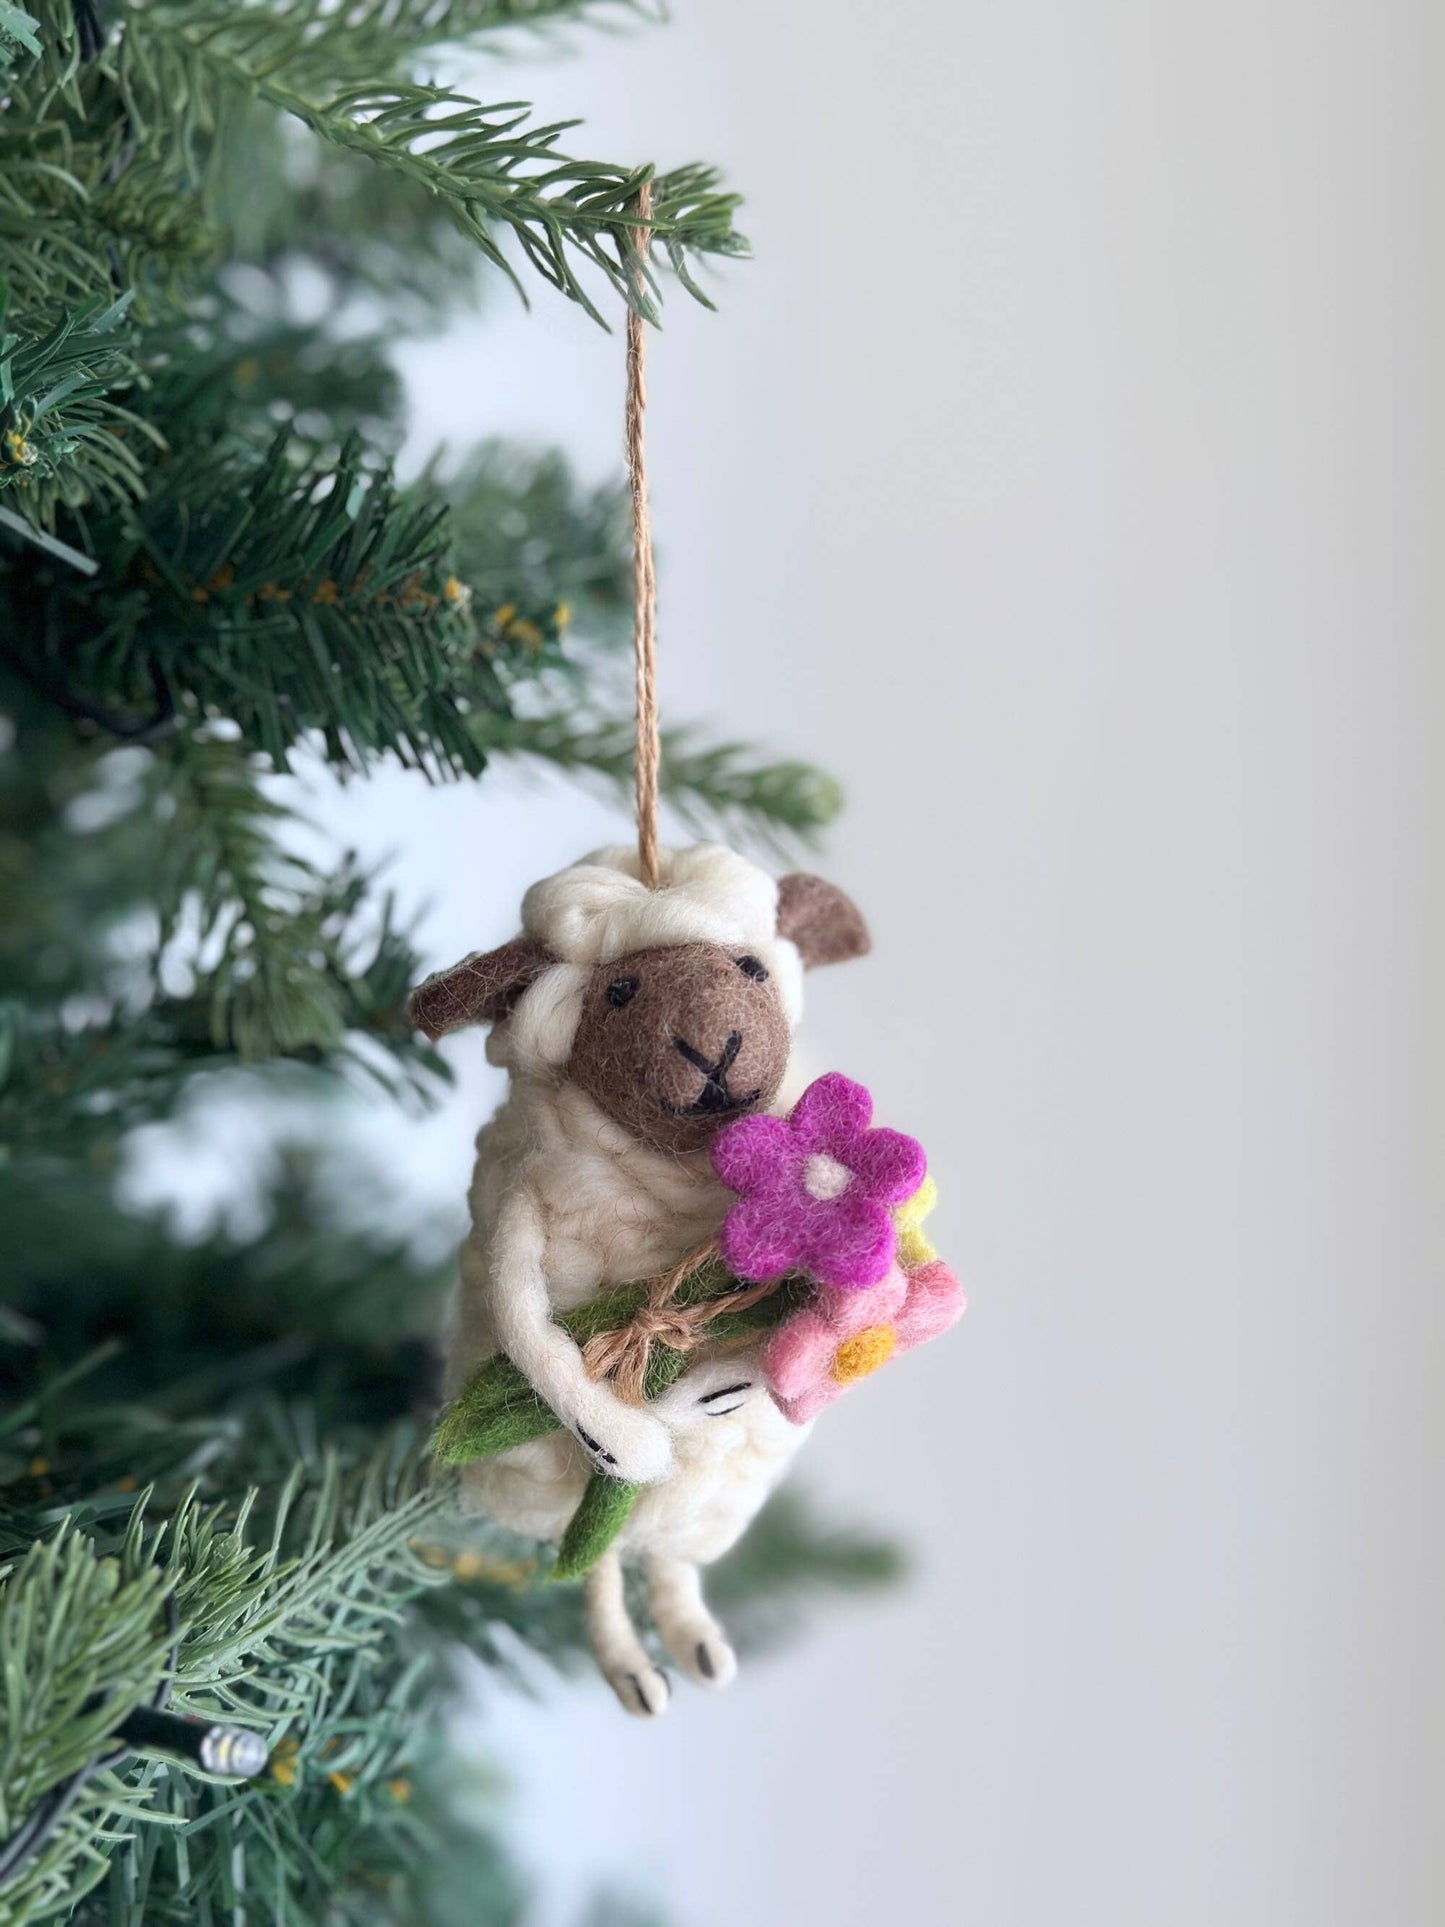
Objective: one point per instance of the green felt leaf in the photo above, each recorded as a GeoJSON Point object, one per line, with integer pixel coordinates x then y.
{"type": "Point", "coordinates": [464, 1435]}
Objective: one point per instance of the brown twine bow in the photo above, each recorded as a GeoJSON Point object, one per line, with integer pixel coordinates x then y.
{"type": "Point", "coordinates": [623, 1355]}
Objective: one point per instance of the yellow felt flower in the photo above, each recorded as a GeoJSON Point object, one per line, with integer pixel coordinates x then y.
{"type": "Point", "coordinates": [913, 1248]}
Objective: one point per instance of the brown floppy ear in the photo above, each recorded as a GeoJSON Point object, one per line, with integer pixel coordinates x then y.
{"type": "Point", "coordinates": [481, 989]}
{"type": "Point", "coordinates": [826, 926]}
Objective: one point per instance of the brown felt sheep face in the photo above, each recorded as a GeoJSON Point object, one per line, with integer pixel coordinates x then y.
{"type": "Point", "coordinates": [671, 1039]}
{"type": "Point", "coordinates": [674, 1041]}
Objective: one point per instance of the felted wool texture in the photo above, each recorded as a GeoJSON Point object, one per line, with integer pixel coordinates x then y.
{"type": "Point", "coordinates": [913, 1246]}
{"type": "Point", "coordinates": [671, 1040]}
{"type": "Point", "coordinates": [605, 1508]}
{"type": "Point", "coordinates": [825, 925]}
{"type": "Point", "coordinates": [565, 1202]}
{"type": "Point", "coordinates": [844, 1336]}
{"type": "Point", "coordinates": [687, 1629]}
{"type": "Point", "coordinates": [600, 908]}
{"type": "Point", "coordinates": [540, 1028]}
{"type": "Point", "coordinates": [608, 1211]}
{"type": "Point", "coordinates": [482, 1420]}
{"type": "Point", "coordinates": [640, 1687]}
{"type": "Point", "coordinates": [479, 990]}
{"type": "Point", "coordinates": [815, 1189]}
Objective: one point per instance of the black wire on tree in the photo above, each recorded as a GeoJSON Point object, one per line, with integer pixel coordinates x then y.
{"type": "Point", "coordinates": [233, 1752]}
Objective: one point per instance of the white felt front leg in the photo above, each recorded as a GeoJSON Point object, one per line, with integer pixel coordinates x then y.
{"type": "Point", "coordinates": [621, 1440]}
{"type": "Point", "coordinates": [685, 1626]}
{"type": "Point", "coordinates": [638, 1684]}
{"type": "Point", "coordinates": [714, 1389]}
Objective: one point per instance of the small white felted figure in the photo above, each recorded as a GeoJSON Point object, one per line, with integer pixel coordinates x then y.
{"type": "Point", "coordinates": [635, 1023]}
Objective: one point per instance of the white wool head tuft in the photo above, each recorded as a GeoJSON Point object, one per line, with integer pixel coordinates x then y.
{"type": "Point", "coordinates": [600, 908]}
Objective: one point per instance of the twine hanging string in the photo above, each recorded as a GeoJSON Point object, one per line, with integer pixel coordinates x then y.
{"type": "Point", "coordinates": [623, 1355]}
{"type": "Point", "coordinates": [644, 582]}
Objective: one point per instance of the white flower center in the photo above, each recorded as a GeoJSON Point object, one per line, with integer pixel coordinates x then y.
{"type": "Point", "coordinates": [824, 1178]}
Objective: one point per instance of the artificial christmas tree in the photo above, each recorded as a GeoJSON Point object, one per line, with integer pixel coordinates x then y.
{"type": "Point", "coordinates": [214, 1503]}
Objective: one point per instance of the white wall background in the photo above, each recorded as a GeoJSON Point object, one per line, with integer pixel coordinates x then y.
{"type": "Point", "coordinates": [1064, 474]}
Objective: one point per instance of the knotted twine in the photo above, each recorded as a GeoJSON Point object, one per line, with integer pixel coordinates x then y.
{"type": "Point", "coordinates": [624, 1353]}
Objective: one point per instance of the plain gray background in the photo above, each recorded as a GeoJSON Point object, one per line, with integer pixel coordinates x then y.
{"type": "Point", "coordinates": [1064, 475]}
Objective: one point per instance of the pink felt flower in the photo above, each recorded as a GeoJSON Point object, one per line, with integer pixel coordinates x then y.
{"type": "Point", "coordinates": [815, 1189]}
{"type": "Point", "coordinates": [842, 1336]}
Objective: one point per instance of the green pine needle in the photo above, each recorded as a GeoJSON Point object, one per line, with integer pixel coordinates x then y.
{"type": "Point", "coordinates": [18, 31]}
{"type": "Point", "coordinates": [488, 167]}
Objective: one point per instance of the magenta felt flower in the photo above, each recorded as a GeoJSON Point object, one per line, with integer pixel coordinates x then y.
{"type": "Point", "coordinates": [815, 1189]}
{"type": "Point", "coordinates": [843, 1336]}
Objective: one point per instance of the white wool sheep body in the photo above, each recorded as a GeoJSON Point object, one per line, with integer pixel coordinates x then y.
{"type": "Point", "coordinates": [565, 1203]}
{"type": "Point", "coordinates": [608, 1211]}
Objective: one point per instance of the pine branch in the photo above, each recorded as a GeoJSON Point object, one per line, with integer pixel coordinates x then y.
{"type": "Point", "coordinates": [291, 590]}
{"type": "Point", "coordinates": [64, 144]}
{"type": "Point", "coordinates": [294, 1600]}
{"type": "Point", "coordinates": [261, 580]}
{"type": "Point", "coordinates": [325, 44]}
{"type": "Point", "coordinates": [528, 537]}
{"type": "Point", "coordinates": [64, 437]}
{"type": "Point", "coordinates": [486, 166]}
{"type": "Point", "coordinates": [251, 954]}
{"type": "Point", "coordinates": [267, 1592]}
{"type": "Point", "coordinates": [18, 31]}
{"type": "Point", "coordinates": [68, 1623]}
{"type": "Point", "coordinates": [239, 366]}
{"type": "Point", "coordinates": [285, 201]}
{"type": "Point", "coordinates": [717, 788]}
{"type": "Point", "coordinates": [115, 158]}
{"type": "Point", "coordinates": [227, 1357]}
{"type": "Point", "coordinates": [320, 1608]}
{"type": "Point", "coordinates": [276, 982]}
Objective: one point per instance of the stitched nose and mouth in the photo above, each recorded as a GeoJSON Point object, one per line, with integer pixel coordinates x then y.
{"type": "Point", "coordinates": [715, 1097]}
{"type": "Point", "coordinates": [675, 1042]}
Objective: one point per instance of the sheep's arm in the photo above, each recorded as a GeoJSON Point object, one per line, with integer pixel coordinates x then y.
{"type": "Point", "coordinates": [621, 1440]}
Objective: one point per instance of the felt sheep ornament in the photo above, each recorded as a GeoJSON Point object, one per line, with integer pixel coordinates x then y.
{"type": "Point", "coordinates": [634, 1023]}
{"type": "Point", "coordinates": [638, 1025]}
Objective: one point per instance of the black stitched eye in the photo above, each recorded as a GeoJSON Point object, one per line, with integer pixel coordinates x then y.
{"type": "Point", "coordinates": [622, 992]}
{"type": "Point", "coordinates": [750, 967]}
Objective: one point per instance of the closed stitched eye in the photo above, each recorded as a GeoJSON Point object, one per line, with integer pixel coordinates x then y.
{"type": "Point", "coordinates": [751, 967]}
{"type": "Point", "coordinates": [621, 992]}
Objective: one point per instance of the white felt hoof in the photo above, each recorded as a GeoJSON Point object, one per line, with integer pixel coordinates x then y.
{"type": "Point", "coordinates": [708, 1659]}
{"type": "Point", "coordinates": [642, 1690]}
